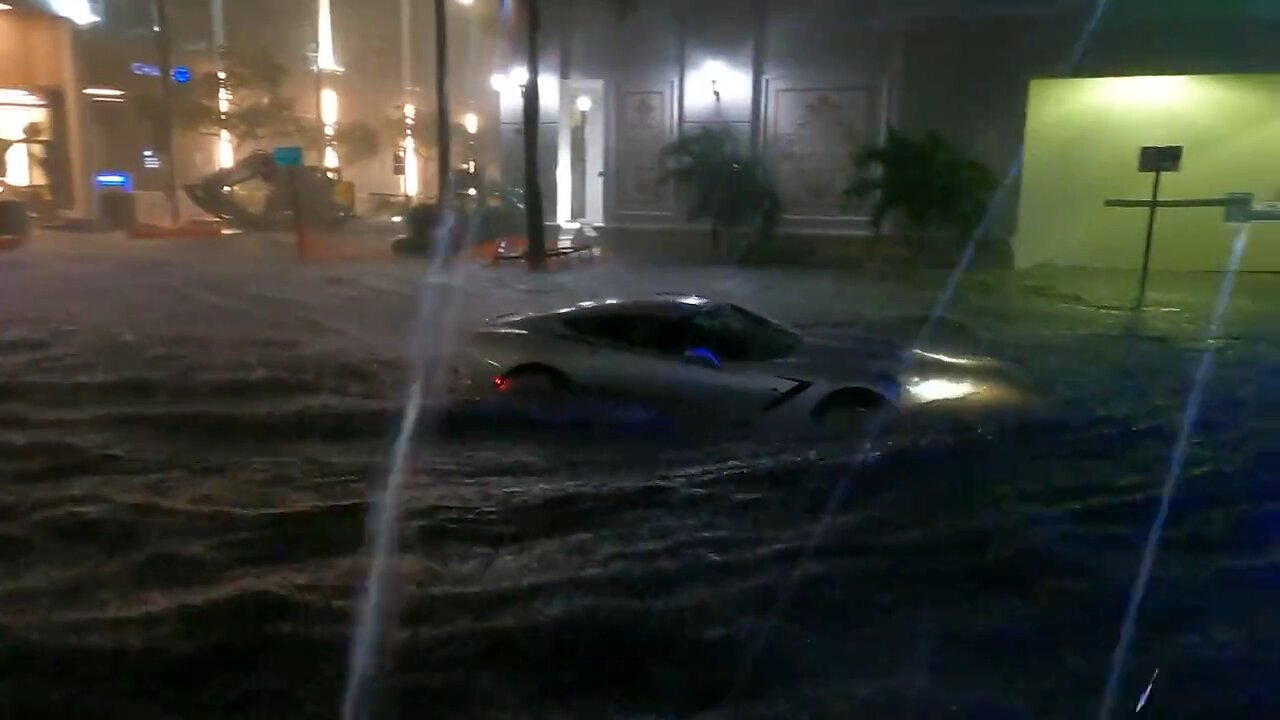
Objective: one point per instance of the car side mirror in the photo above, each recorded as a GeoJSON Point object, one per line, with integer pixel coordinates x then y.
{"type": "Point", "coordinates": [701, 357]}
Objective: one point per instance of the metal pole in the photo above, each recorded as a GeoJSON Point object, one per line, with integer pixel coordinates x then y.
{"type": "Point", "coordinates": [1146, 251]}
{"type": "Point", "coordinates": [406, 56]}
{"type": "Point", "coordinates": [164, 53]}
{"type": "Point", "coordinates": [442, 105]}
{"type": "Point", "coordinates": [682, 58]}
{"type": "Point", "coordinates": [760, 13]}
{"type": "Point", "coordinates": [536, 251]}
{"type": "Point", "coordinates": [219, 31]}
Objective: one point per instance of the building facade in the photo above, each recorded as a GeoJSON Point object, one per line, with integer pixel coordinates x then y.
{"type": "Point", "coordinates": [40, 108]}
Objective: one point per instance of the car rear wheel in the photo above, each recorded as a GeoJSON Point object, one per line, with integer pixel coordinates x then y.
{"type": "Point", "coordinates": [849, 409]}
{"type": "Point", "coordinates": [536, 383]}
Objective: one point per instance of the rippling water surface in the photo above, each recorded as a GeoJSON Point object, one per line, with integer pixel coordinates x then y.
{"type": "Point", "coordinates": [188, 441]}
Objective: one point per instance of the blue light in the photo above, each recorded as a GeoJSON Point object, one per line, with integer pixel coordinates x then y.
{"type": "Point", "coordinates": [117, 180]}
{"type": "Point", "coordinates": [705, 354]}
{"type": "Point", "coordinates": [180, 74]}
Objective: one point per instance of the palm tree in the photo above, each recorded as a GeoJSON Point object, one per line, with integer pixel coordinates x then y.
{"type": "Point", "coordinates": [926, 183]}
{"type": "Point", "coordinates": [728, 185]}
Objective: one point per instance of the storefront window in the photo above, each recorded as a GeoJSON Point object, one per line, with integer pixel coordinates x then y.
{"type": "Point", "coordinates": [24, 119]}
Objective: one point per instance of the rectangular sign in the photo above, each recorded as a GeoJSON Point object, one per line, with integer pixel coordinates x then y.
{"type": "Point", "coordinates": [1160, 158]}
{"type": "Point", "coordinates": [114, 180]}
{"type": "Point", "coordinates": [180, 74]}
{"type": "Point", "coordinates": [288, 156]}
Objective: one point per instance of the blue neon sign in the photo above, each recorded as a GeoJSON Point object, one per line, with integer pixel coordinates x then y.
{"type": "Point", "coordinates": [180, 74]}
{"type": "Point", "coordinates": [115, 180]}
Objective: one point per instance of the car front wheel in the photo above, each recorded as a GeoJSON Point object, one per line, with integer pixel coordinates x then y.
{"type": "Point", "coordinates": [850, 409]}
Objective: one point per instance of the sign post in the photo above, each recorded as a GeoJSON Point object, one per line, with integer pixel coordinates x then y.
{"type": "Point", "coordinates": [1155, 159]}
{"type": "Point", "coordinates": [289, 158]}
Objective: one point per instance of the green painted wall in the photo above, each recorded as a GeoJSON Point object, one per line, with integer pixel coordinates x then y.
{"type": "Point", "coordinates": [1082, 140]}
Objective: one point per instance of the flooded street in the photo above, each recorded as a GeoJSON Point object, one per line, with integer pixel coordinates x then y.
{"type": "Point", "coordinates": [189, 436]}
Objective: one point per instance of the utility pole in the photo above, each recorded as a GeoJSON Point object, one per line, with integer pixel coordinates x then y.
{"type": "Point", "coordinates": [536, 251]}
{"type": "Point", "coordinates": [442, 107]}
{"type": "Point", "coordinates": [164, 51]}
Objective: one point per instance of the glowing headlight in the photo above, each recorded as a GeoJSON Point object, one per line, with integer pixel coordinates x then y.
{"type": "Point", "coordinates": [936, 389]}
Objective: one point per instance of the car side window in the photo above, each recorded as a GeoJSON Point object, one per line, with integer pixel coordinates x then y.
{"type": "Point", "coordinates": [635, 330]}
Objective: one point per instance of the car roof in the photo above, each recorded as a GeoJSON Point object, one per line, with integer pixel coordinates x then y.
{"type": "Point", "coordinates": [664, 305]}
{"type": "Point", "coordinates": [659, 304]}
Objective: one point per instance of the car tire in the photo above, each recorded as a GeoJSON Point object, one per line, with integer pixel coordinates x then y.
{"type": "Point", "coordinates": [849, 408]}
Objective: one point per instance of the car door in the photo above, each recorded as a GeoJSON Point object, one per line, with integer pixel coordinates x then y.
{"type": "Point", "coordinates": [717, 378]}
{"type": "Point", "coordinates": [625, 356]}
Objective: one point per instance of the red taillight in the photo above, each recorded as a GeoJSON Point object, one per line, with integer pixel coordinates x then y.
{"type": "Point", "coordinates": [500, 383]}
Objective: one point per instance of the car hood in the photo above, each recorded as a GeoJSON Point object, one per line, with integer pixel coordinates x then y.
{"type": "Point", "coordinates": [853, 359]}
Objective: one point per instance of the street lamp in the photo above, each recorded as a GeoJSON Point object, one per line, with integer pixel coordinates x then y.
{"type": "Point", "coordinates": [411, 179]}
{"type": "Point", "coordinates": [329, 119]}
{"type": "Point", "coordinates": [326, 62]}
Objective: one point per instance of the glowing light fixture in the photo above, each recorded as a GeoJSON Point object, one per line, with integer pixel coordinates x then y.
{"type": "Point", "coordinates": [103, 92]}
{"type": "Point", "coordinates": [584, 103]}
{"type": "Point", "coordinates": [77, 11]}
{"type": "Point", "coordinates": [325, 58]}
{"type": "Point", "coordinates": [329, 118]}
{"type": "Point", "coordinates": [471, 122]}
{"type": "Point", "coordinates": [226, 150]}
{"type": "Point", "coordinates": [519, 75]}
{"type": "Point", "coordinates": [1145, 89]}
{"type": "Point", "coordinates": [467, 3]}
{"type": "Point", "coordinates": [328, 106]}
{"type": "Point", "coordinates": [19, 97]}
{"type": "Point", "coordinates": [410, 182]}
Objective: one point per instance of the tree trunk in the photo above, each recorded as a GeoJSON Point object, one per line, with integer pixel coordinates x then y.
{"type": "Point", "coordinates": [536, 252]}
{"type": "Point", "coordinates": [443, 178]}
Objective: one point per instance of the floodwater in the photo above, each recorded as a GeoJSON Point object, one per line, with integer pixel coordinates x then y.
{"type": "Point", "coordinates": [188, 440]}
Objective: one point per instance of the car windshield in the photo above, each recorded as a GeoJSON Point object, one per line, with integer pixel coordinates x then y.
{"type": "Point", "coordinates": [732, 333]}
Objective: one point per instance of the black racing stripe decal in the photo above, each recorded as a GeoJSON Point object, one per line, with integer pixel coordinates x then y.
{"type": "Point", "coordinates": [791, 394]}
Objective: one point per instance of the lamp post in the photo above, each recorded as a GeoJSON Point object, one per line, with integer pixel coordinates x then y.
{"type": "Point", "coordinates": [164, 52]}
{"type": "Point", "coordinates": [442, 104]}
{"type": "Point", "coordinates": [410, 181]}
{"type": "Point", "coordinates": [327, 97]}
{"type": "Point", "coordinates": [225, 154]}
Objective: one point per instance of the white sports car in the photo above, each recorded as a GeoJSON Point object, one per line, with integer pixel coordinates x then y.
{"type": "Point", "coordinates": [690, 357]}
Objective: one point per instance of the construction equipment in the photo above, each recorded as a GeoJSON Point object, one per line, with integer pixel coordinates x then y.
{"type": "Point", "coordinates": [258, 194]}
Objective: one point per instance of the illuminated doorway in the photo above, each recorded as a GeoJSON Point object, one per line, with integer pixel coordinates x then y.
{"type": "Point", "coordinates": [24, 128]}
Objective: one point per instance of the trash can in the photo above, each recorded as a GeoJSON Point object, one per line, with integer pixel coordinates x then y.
{"type": "Point", "coordinates": [117, 210]}
{"type": "Point", "coordinates": [15, 226]}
